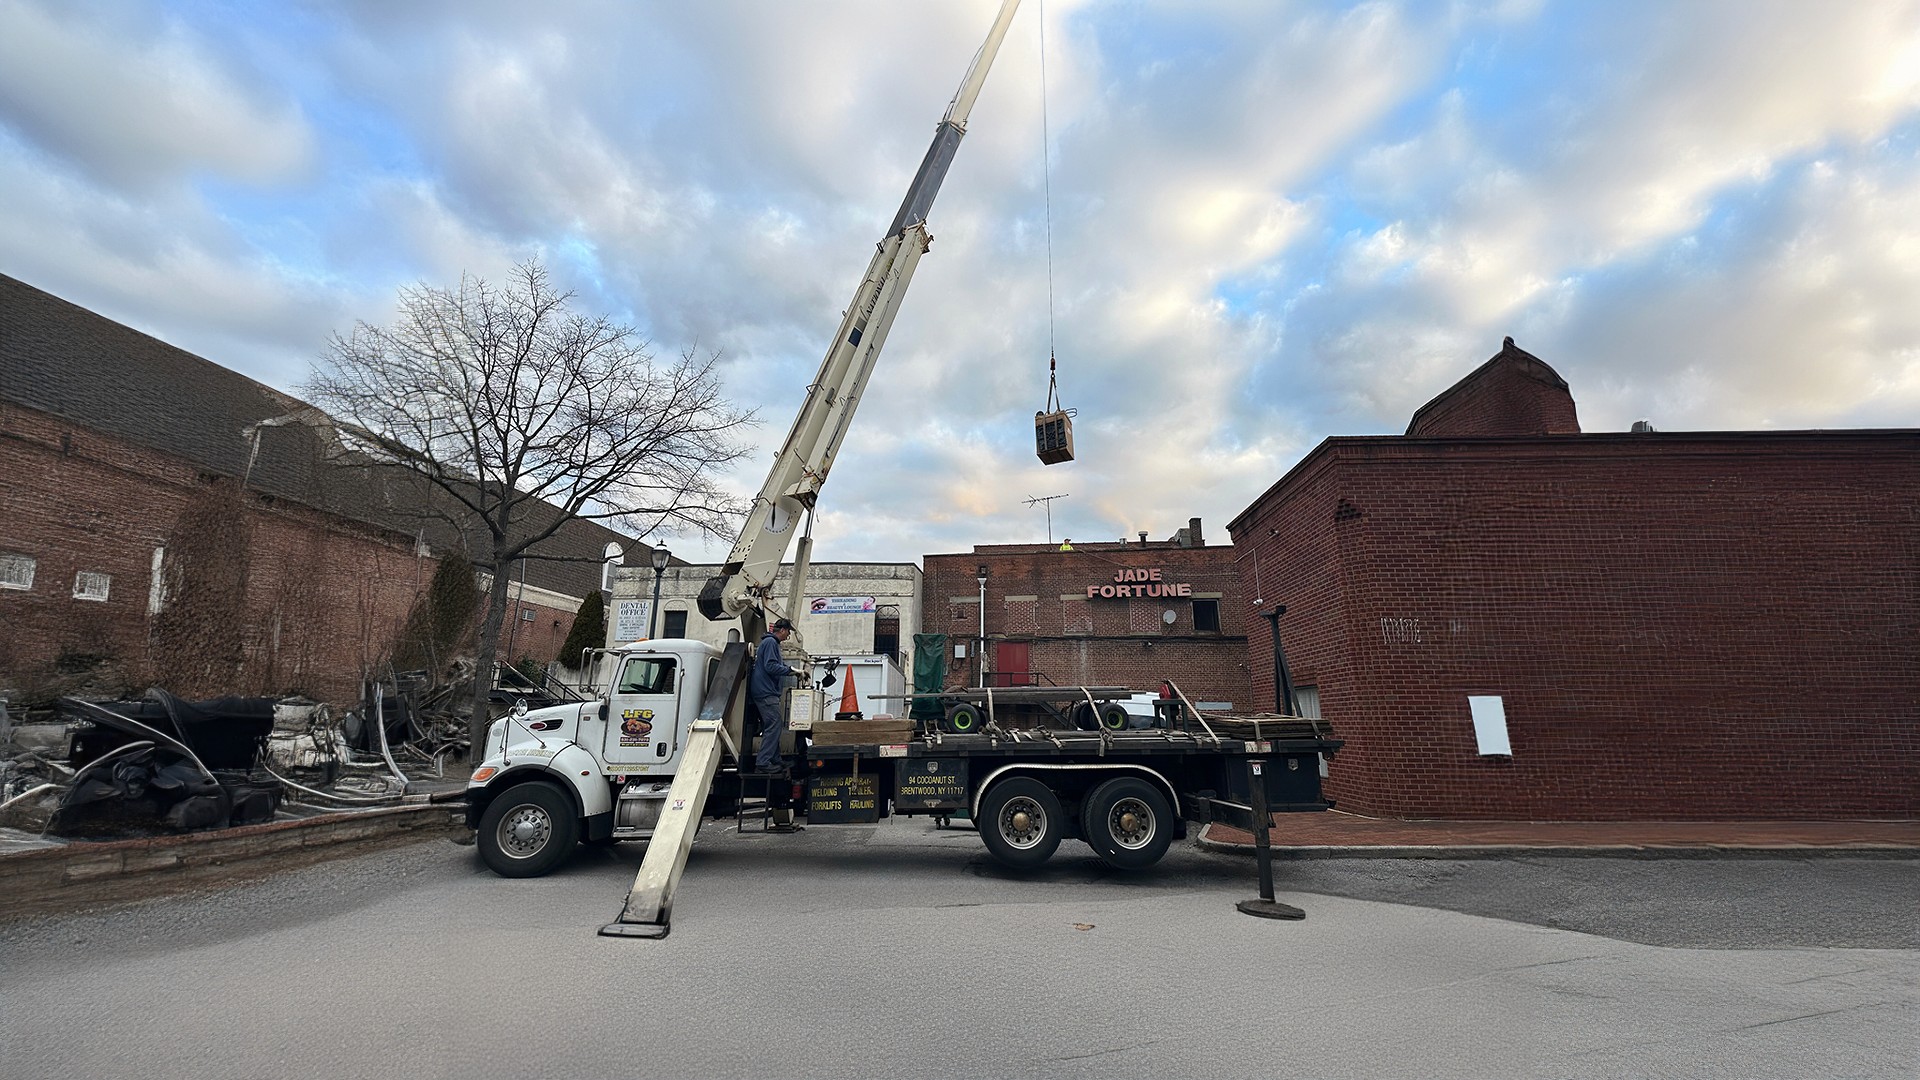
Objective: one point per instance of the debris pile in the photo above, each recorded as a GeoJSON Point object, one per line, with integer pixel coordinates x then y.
{"type": "Point", "coordinates": [402, 731]}
{"type": "Point", "coordinates": [132, 768]}
{"type": "Point", "coordinates": [110, 769]}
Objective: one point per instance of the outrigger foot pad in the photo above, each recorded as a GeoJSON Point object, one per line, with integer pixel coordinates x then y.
{"type": "Point", "coordinates": [635, 929]}
{"type": "Point", "coordinates": [1264, 909]}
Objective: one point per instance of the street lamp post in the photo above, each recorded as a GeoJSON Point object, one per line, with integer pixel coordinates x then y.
{"type": "Point", "coordinates": [660, 557]}
{"type": "Point", "coordinates": [980, 657]}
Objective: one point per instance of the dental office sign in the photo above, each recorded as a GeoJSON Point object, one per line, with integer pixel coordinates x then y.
{"type": "Point", "coordinates": [1139, 582]}
{"type": "Point", "coordinates": [630, 619]}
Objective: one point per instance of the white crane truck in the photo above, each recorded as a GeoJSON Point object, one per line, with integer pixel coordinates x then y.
{"type": "Point", "coordinates": [665, 744]}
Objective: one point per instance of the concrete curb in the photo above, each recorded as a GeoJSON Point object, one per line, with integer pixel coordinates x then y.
{"type": "Point", "coordinates": [72, 877]}
{"type": "Point", "coordinates": [1610, 851]}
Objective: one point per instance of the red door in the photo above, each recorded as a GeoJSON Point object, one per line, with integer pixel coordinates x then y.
{"type": "Point", "coordinates": [1010, 662]}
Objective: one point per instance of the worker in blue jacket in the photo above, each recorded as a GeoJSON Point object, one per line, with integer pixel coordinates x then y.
{"type": "Point", "coordinates": [763, 686]}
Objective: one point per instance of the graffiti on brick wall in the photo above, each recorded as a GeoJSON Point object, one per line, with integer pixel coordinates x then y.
{"type": "Point", "coordinates": [1403, 631]}
{"type": "Point", "coordinates": [1420, 631]}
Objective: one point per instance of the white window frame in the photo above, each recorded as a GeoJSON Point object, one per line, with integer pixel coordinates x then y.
{"type": "Point", "coordinates": [1306, 702]}
{"type": "Point", "coordinates": [84, 581]}
{"type": "Point", "coordinates": [16, 571]}
{"type": "Point", "coordinates": [157, 583]}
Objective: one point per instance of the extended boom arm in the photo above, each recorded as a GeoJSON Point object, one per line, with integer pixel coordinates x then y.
{"type": "Point", "coordinates": [744, 585]}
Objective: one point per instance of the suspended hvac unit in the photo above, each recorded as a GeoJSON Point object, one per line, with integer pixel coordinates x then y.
{"type": "Point", "coordinates": [1053, 431]}
{"type": "Point", "coordinates": [1053, 436]}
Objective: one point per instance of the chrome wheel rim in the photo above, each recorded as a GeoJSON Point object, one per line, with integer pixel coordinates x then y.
{"type": "Point", "coordinates": [1130, 823]}
{"type": "Point", "coordinates": [524, 831]}
{"type": "Point", "coordinates": [1023, 823]}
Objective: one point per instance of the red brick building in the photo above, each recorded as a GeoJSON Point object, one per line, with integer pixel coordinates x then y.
{"type": "Point", "coordinates": [1103, 614]}
{"type": "Point", "coordinates": [108, 438]}
{"type": "Point", "coordinates": [1677, 626]}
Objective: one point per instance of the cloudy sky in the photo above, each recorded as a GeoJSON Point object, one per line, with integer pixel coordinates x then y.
{"type": "Point", "coordinates": [1271, 221]}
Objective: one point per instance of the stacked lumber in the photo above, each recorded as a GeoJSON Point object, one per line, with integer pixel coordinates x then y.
{"type": "Point", "coordinates": [1266, 726]}
{"type": "Point", "coordinates": [879, 730]}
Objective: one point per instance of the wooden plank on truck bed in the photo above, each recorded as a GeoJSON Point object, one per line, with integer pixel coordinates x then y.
{"type": "Point", "coordinates": [861, 732]}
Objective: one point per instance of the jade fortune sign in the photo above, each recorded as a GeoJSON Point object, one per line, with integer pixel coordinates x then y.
{"type": "Point", "coordinates": [1137, 582]}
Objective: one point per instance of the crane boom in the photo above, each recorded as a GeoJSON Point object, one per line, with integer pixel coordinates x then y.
{"type": "Point", "coordinates": [744, 584]}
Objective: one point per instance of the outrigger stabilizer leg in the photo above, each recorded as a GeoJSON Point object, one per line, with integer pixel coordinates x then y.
{"type": "Point", "coordinates": [1266, 907]}
{"type": "Point", "coordinates": [650, 902]}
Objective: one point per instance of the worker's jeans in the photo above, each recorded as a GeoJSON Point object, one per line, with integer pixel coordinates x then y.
{"type": "Point", "coordinates": [772, 725]}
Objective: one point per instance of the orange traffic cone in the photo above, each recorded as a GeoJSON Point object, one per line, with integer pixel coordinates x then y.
{"type": "Point", "coordinates": [849, 700]}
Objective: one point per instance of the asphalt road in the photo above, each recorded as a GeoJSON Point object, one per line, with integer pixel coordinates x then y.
{"type": "Point", "coordinates": [900, 951]}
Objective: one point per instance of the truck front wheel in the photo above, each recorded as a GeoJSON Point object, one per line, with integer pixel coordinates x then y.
{"type": "Point", "coordinates": [1127, 822]}
{"type": "Point", "coordinates": [1021, 822]}
{"type": "Point", "coordinates": [527, 831]}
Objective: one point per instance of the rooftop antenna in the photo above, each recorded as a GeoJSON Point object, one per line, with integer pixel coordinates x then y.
{"type": "Point", "coordinates": [1047, 500]}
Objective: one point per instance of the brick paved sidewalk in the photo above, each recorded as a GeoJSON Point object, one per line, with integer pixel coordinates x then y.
{"type": "Point", "coordinates": [1334, 833]}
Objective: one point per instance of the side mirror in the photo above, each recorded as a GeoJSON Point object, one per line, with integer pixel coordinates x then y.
{"type": "Point", "coordinates": [519, 707]}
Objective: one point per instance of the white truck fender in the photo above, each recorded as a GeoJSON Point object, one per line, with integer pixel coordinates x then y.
{"type": "Point", "coordinates": [569, 765]}
{"type": "Point", "coordinates": [580, 770]}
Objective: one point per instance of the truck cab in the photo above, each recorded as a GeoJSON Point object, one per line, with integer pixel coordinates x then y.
{"type": "Point", "coordinates": [591, 771]}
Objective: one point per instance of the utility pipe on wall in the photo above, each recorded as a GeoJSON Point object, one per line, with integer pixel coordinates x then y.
{"type": "Point", "coordinates": [980, 653]}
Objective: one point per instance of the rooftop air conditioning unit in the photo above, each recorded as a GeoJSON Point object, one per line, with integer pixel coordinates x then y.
{"type": "Point", "coordinates": [1053, 436]}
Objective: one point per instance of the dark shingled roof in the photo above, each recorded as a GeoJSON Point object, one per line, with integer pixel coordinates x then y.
{"type": "Point", "coordinates": [61, 359]}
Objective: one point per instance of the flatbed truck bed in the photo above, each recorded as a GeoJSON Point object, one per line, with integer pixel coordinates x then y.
{"type": "Point", "coordinates": [1128, 794]}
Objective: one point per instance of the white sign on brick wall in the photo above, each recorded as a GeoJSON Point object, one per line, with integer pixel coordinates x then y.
{"type": "Point", "coordinates": [1490, 725]}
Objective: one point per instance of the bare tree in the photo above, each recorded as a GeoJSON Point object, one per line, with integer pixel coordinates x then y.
{"type": "Point", "coordinates": [521, 413]}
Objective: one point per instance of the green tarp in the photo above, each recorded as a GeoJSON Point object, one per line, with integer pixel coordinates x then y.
{"type": "Point", "coordinates": [929, 673]}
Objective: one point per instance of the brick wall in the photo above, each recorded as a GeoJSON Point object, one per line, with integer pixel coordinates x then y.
{"type": "Point", "coordinates": [539, 638]}
{"type": "Point", "coordinates": [1038, 595]}
{"type": "Point", "coordinates": [1681, 626]}
{"type": "Point", "coordinates": [325, 596]}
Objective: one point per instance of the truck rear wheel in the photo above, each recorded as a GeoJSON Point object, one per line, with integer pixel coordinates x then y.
{"type": "Point", "coordinates": [1021, 822]}
{"type": "Point", "coordinates": [527, 831]}
{"type": "Point", "coordinates": [1127, 823]}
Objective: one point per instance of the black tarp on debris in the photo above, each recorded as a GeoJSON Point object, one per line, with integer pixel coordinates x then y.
{"type": "Point", "coordinates": [224, 733]}
{"type": "Point", "coordinates": [138, 791]}
{"type": "Point", "coordinates": [127, 790]}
